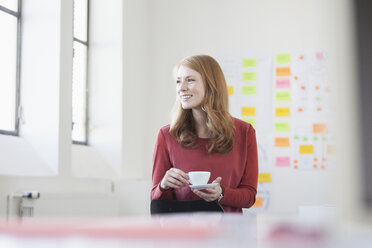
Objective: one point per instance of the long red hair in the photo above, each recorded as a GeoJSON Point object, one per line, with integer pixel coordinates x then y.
{"type": "Point", "coordinates": [215, 105]}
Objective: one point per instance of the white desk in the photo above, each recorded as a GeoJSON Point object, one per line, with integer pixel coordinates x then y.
{"type": "Point", "coordinates": [191, 231]}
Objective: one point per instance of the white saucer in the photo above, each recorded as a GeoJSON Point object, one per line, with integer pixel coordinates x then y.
{"type": "Point", "coordinates": [203, 186]}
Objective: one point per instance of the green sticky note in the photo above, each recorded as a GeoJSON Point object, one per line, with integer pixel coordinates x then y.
{"type": "Point", "coordinates": [283, 96]}
{"type": "Point", "coordinates": [249, 62]}
{"type": "Point", "coordinates": [283, 58]}
{"type": "Point", "coordinates": [324, 138]}
{"type": "Point", "coordinates": [305, 139]}
{"type": "Point", "coordinates": [315, 138]}
{"type": "Point", "coordinates": [252, 121]}
{"type": "Point", "coordinates": [249, 76]}
{"type": "Point", "coordinates": [296, 137]}
{"type": "Point", "coordinates": [282, 127]}
{"type": "Point", "coordinates": [318, 98]}
{"type": "Point", "coordinates": [249, 90]}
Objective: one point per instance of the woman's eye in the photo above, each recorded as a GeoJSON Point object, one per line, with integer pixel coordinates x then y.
{"type": "Point", "coordinates": [178, 81]}
{"type": "Point", "coordinates": [190, 80]}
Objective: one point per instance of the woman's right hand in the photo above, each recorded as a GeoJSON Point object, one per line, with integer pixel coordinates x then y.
{"type": "Point", "coordinates": [175, 179]}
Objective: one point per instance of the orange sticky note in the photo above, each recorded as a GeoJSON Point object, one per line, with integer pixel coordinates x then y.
{"type": "Point", "coordinates": [282, 112]}
{"type": "Point", "coordinates": [306, 149]}
{"type": "Point", "coordinates": [248, 111]}
{"type": "Point", "coordinates": [264, 177]}
{"type": "Point", "coordinates": [283, 71]}
{"type": "Point", "coordinates": [320, 128]}
{"type": "Point", "coordinates": [230, 89]}
{"type": "Point", "coordinates": [281, 142]}
{"type": "Point", "coordinates": [258, 203]}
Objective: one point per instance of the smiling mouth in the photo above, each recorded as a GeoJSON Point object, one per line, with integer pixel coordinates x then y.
{"type": "Point", "coordinates": [185, 97]}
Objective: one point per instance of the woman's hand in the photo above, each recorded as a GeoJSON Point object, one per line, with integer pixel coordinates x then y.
{"type": "Point", "coordinates": [175, 179]}
{"type": "Point", "coordinates": [210, 194]}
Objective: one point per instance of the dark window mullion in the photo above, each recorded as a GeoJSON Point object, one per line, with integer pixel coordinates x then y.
{"type": "Point", "coordinates": [9, 11]}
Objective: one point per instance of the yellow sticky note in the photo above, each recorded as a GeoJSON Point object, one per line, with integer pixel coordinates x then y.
{"type": "Point", "coordinates": [320, 128]}
{"type": "Point", "coordinates": [283, 96]}
{"type": "Point", "coordinates": [306, 149]}
{"type": "Point", "coordinates": [249, 90]}
{"type": "Point", "coordinates": [251, 121]}
{"type": "Point", "coordinates": [282, 112]}
{"type": "Point", "coordinates": [283, 71]}
{"type": "Point", "coordinates": [248, 111]}
{"type": "Point", "coordinates": [264, 177]}
{"type": "Point", "coordinates": [230, 89]}
{"type": "Point", "coordinates": [258, 203]}
{"type": "Point", "coordinates": [283, 58]}
{"type": "Point", "coordinates": [282, 127]}
{"type": "Point", "coordinates": [282, 142]}
{"type": "Point", "coordinates": [249, 76]}
{"type": "Point", "coordinates": [249, 62]}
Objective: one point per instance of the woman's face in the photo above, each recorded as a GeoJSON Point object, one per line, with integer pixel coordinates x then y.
{"type": "Point", "coordinates": [190, 88]}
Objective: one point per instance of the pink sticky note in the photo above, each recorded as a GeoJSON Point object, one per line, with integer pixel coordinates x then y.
{"type": "Point", "coordinates": [319, 55]}
{"type": "Point", "coordinates": [282, 83]}
{"type": "Point", "coordinates": [282, 161]}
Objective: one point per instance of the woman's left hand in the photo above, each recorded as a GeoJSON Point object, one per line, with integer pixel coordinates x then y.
{"type": "Point", "coordinates": [210, 194]}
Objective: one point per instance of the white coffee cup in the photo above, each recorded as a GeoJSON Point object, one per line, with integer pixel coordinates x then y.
{"type": "Point", "coordinates": [199, 177]}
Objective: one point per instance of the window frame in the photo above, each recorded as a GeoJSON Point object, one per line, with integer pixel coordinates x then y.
{"type": "Point", "coordinates": [86, 142]}
{"type": "Point", "coordinates": [18, 110]}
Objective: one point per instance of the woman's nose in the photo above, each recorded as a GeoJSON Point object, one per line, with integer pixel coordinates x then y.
{"type": "Point", "coordinates": [183, 85]}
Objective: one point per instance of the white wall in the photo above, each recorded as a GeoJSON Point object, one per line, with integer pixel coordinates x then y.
{"type": "Point", "coordinates": [132, 95]}
{"type": "Point", "coordinates": [182, 28]}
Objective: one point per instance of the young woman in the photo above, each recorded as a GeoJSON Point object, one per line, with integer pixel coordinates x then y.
{"type": "Point", "coordinates": [203, 136]}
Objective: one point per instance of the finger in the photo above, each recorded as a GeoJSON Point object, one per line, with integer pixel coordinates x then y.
{"type": "Point", "coordinates": [205, 196]}
{"type": "Point", "coordinates": [217, 180]}
{"type": "Point", "coordinates": [175, 174]}
{"type": "Point", "coordinates": [172, 185]}
{"type": "Point", "coordinates": [181, 172]}
{"type": "Point", "coordinates": [175, 181]}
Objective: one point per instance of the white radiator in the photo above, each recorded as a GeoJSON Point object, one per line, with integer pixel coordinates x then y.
{"type": "Point", "coordinates": [63, 205]}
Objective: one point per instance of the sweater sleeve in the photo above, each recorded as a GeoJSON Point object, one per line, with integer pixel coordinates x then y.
{"type": "Point", "coordinates": [244, 196]}
{"type": "Point", "coordinates": [161, 163]}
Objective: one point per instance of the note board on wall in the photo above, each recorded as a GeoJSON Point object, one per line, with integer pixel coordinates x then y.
{"type": "Point", "coordinates": [286, 98]}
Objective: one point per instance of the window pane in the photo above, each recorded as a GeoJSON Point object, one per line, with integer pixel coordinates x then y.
{"type": "Point", "coordinates": [80, 19]}
{"type": "Point", "coordinates": [8, 60]}
{"type": "Point", "coordinates": [10, 4]}
{"type": "Point", "coordinates": [79, 84]}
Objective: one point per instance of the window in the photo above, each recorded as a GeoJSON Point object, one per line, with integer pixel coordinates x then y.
{"type": "Point", "coordinates": [10, 28]}
{"type": "Point", "coordinates": [79, 72]}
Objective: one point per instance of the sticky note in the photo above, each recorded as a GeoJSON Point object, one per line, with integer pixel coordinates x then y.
{"type": "Point", "coordinates": [283, 96]}
{"type": "Point", "coordinates": [249, 90]}
{"type": "Point", "coordinates": [282, 127]}
{"type": "Point", "coordinates": [248, 111]}
{"type": "Point", "coordinates": [320, 128]}
{"type": "Point", "coordinates": [283, 58]}
{"type": "Point", "coordinates": [306, 149]}
{"type": "Point", "coordinates": [251, 121]}
{"type": "Point", "coordinates": [249, 62]}
{"type": "Point", "coordinates": [249, 76]}
{"type": "Point", "coordinates": [282, 161]}
{"type": "Point", "coordinates": [282, 112]}
{"type": "Point", "coordinates": [319, 56]}
{"type": "Point", "coordinates": [281, 142]}
{"type": "Point", "coordinates": [330, 149]}
{"type": "Point", "coordinates": [283, 71]}
{"type": "Point", "coordinates": [230, 89]}
{"type": "Point", "coordinates": [258, 203]}
{"type": "Point", "coordinates": [283, 83]}
{"type": "Point", "coordinates": [264, 177]}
